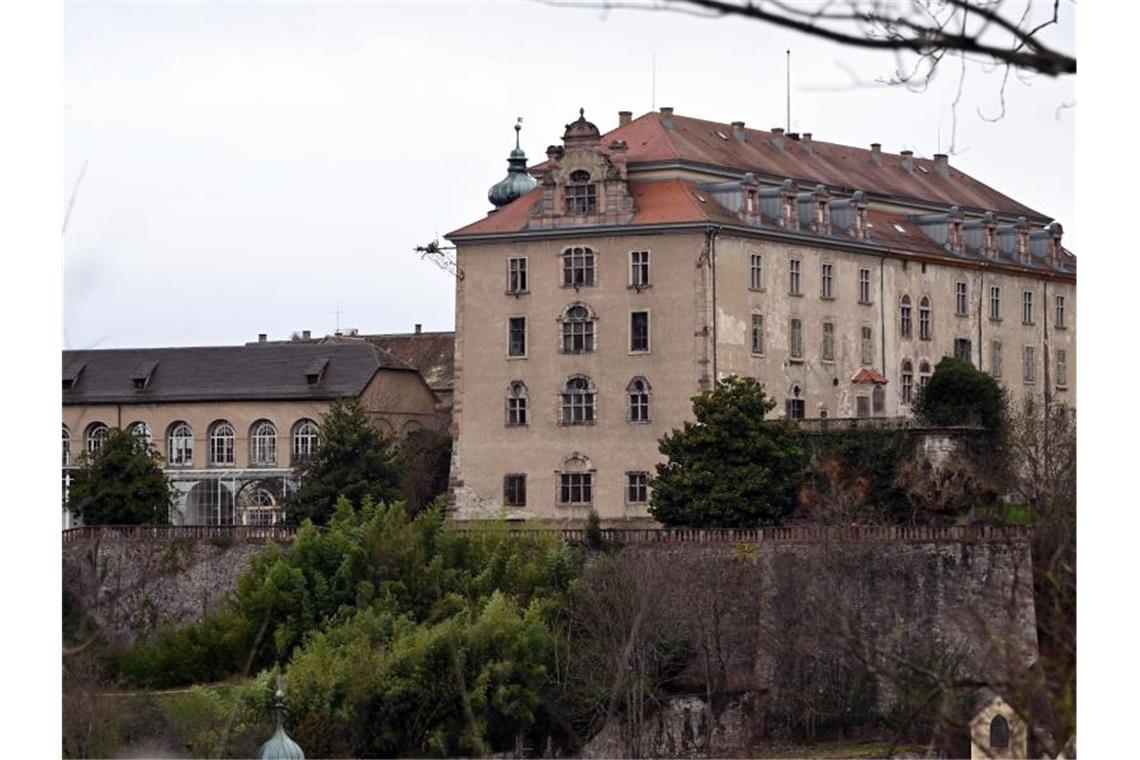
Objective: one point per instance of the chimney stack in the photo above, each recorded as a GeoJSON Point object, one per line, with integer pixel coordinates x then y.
{"type": "Point", "coordinates": [667, 117]}
{"type": "Point", "coordinates": [738, 131]}
{"type": "Point", "coordinates": [624, 117]}
{"type": "Point", "coordinates": [262, 337]}
{"type": "Point", "coordinates": [806, 140]}
{"type": "Point", "coordinates": [942, 164]}
{"type": "Point", "coordinates": [306, 335]}
{"type": "Point", "coordinates": [778, 137]}
{"type": "Point", "coordinates": [419, 328]}
{"type": "Point", "coordinates": [907, 160]}
{"type": "Point", "coordinates": [877, 153]}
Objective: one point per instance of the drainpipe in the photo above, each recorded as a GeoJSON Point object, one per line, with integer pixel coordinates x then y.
{"type": "Point", "coordinates": [981, 302]}
{"type": "Point", "coordinates": [711, 234]}
{"type": "Point", "coordinates": [882, 327]}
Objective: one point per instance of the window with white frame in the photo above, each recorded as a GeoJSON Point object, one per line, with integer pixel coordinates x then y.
{"type": "Point", "coordinates": [961, 299]}
{"type": "Point", "coordinates": [580, 193]}
{"type": "Point", "coordinates": [794, 277]}
{"type": "Point", "coordinates": [637, 487]}
{"type": "Point", "coordinates": [995, 303]}
{"type": "Point", "coordinates": [639, 268]}
{"type": "Point", "coordinates": [305, 440]}
{"type": "Point", "coordinates": [577, 330]}
{"type": "Point", "coordinates": [758, 334]}
{"type": "Point", "coordinates": [517, 404]}
{"type": "Point", "coordinates": [516, 275]}
{"type": "Point", "coordinates": [866, 346]}
{"type": "Point", "coordinates": [1027, 307]}
{"type": "Point", "coordinates": [828, 346]}
{"type": "Point", "coordinates": [995, 358]}
{"type": "Point", "coordinates": [1062, 368]}
{"type": "Point", "coordinates": [141, 430]}
{"type": "Point", "coordinates": [516, 336]}
{"type": "Point", "coordinates": [825, 280]}
{"type": "Point", "coordinates": [514, 490]}
{"type": "Point", "coordinates": [94, 439]}
{"type": "Point", "coordinates": [1029, 359]}
{"type": "Point", "coordinates": [864, 286]}
{"type": "Point", "coordinates": [924, 319]}
{"type": "Point", "coordinates": [222, 441]}
{"type": "Point", "coordinates": [923, 373]}
{"type": "Point", "coordinates": [757, 281]}
{"type": "Point", "coordinates": [904, 316]}
{"type": "Point", "coordinates": [579, 401]}
{"type": "Point", "coordinates": [263, 444]}
{"type": "Point", "coordinates": [638, 393]}
{"type": "Point", "coordinates": [576, 481]}
{"type": "Point", "coordinates": [180, 445]}
{"type": "Point", "coordinates": [639, 331]}
{"type": "Point", "coordinates": [1060, 304]}
{"type": "Point", "coordinates": [906, 381]}
{"type": "Point", "coordinates": [794, 404]}
{"type": "Point", "coordinates": [66, 446]}
{"type": "Point", "coordinates": [796, 339]}
{"type": "Point", "coordinates": [578, 267]}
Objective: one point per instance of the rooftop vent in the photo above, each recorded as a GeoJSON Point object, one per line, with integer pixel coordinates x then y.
{"type": "Point", "coordinates": [262, 337]}
{"type": "Point", "coordinates": [667, 117]}
{"type": "Point", "coordinates": [877, 153]}
{"type": "Point", "coordinates": [907, 160]}
{"type": "Point", "coordinates": [738, 131]}
{"type": "Point", "coordinates": [721, 135]}
{"type": "Point", "coordinates": [942, 164]}
{"type": "Point", "coordinates": [778, 137]}
{"type": "Point", "coordinates": [306, 334]}
{"type": "Point", "coordinates": [419, 328]}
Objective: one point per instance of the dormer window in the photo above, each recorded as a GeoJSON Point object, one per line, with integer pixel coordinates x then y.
{"type": "Point", "coordinates": [316, 371]}
{"type": "Point", "coordinates": [581, 194]}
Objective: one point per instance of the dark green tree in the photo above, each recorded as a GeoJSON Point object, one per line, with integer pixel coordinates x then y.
{"type": "Point", "coordinates": [353, 459]}
{"type": "Point", "coordinates": [425, 463]}
{"type": "Point", "coordinates": [960, 394]}
{"type": "Point", "coordinates": [731, 468]}
{"type": "Point", "coordinates": [123, 484]}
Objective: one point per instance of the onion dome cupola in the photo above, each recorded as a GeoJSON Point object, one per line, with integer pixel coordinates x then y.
{"type": "Point", "coordinates": [280, 746]}
{"type": "Point", "coordinates": [518, 181]}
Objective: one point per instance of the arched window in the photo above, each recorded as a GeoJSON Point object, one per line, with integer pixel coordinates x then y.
{"type": "Point", "coordinates": [906, 381]}
{"type": "Point", "coordinates": [581, 193]}
{"type": "Point", "coordinates": [999, 733]}
{"type": "Point", "coordinates": [263, 444]}
{"type": "Point", "coordinates": [305, 440]}
{"type": "Point", "coordinates": [222, 439]}
{"type": "Point", "coordinates": [923, 373]}
{"type": "Point", "coordinates": [578, 267]}
{"type": "Point", "coordinates": [924, 319]}
{"type": "Point", "coordinates": [258, 503]}
{"type": "Point", "coordinates": [180, 445]}
{"type": "Point", "coordinates": [638, 390]}
{"type": "Point", "coordinates": [94, 438]}
{"type": "Point", "coordinates": [577, 329]}
{"type": "Point", "coordinates": [579, 400]}
{"type": "Point", "coordinates": [576, 481]}
{"type": "Point", "coordinates": [516, 404]}
{"type": "Point", "coordinates": [66, 446]}
{"type": "Point", "coordinates": [904, 316]}
{"type": "Point", "coordinates": [141, 430]}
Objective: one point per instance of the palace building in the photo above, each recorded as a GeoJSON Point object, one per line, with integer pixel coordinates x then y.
{"type": "Point", "coordinates": [232, 421]}
{"type": "Point", "coordinates": [621, 276]}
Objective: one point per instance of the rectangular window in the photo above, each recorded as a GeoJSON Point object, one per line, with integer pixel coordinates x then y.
{"type": "Point", "coordinates": [1027, 307]}
{"type": "Point", "coordinates": [639, 268]}
{"type": "Point", "coordinates": [995, 303]}
{"type": "Point", "coordinates": [995, 358]}
{"type": "Point", "coordinates": [757, 282]}
{"type": "Point", "coordinates": [1062, 368]}
{"type": "Point", "coordinates": [862, 406]}
{"type": "Point", "coordinates": [828, 354]}
{"type": "Point", "coordinates": [577, 267]}
{"type": "Point", "coordinates": [516, 275]}
{"type": "Point", "coordinates": [825, 272]}
{"type": "Point", "coordinates": [864, 286]}
{"type": "Point", "coordinates": [962, 350]}
{"type": "Point", "coordinates": [794, 408]}
{"type": "Point", "coordinates": [794, 277]}
{"type": "Point", "coordinates": [639, 331]}
{"type": "Point", "coordinates": [961, 299]}
{"type": "Point", "coordinates": [758, 333]}
{"type": "Point", "coordinates": [514, 490]}
{"type": "Point", "coordinates": [1030, 364]}
{"type": "Point", "coordinates": [796, 339]}
{"type": "Point", "coordinates": [575, 487]}
{"type": "Point", "coordinates": [517, 341]}
{"type": "Point", "coordinates": [1060, 312]}
{"type": "Point", "coordinates": [867, 346]}
{"type": "Point", "coordinates": [637, 487]}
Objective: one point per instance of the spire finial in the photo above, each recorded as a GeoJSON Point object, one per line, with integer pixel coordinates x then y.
{"type": "Point", "coordinates": [582, 113]}
{"type": "Point", "coordinates": [518, 128]}
{"type": "Point", "coordinates": [280, 697]}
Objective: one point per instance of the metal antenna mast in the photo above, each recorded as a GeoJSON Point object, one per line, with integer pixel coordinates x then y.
{"type": "Point", "coordinates": [788, 89]}
{"type": "Point", "coordinates": [653, 92]}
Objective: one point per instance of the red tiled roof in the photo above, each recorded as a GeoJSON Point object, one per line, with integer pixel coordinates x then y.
{"type": "Point", "coordinates": [432, 354]}
{"type": "Point", "coordinates": [868, 375]}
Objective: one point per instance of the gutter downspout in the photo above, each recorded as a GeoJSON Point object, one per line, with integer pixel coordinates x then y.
{"type": "Point", "coordinates": [882, 324]}
{"type": "Point", "coordinates": [711, 237]}
{"type": "Point", "coordinates": [981, 301]}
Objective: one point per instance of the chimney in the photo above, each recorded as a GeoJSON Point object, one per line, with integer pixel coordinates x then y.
{"type": "Point", "coordinates": [877, 153]}
{"type": "Point", "coordinates": [306, 335]}
{"type": "Point", "coordinates": [419, 328]}
{"type": "Point", "coordinates": [778, 137]}
{"type": "Point", "coordinates": [942, 164]}
{"type": "Point", "coordinates": [624, 117]}
{"type": "Point", "coordinates": [907, 160]}
{"type": "Point", "coordinates": [806, 140]}
{"type": "Point", "coordinates": [738, 131]}
{"type": "Point", "coordinates": [667, 117]}
{"type": "Point", "coordinates": [262, 337]}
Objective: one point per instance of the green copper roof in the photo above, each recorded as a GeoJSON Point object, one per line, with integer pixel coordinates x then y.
{"type": "Point", "coordinates": [280, 746]}
{"type": "Point", "coordinates": [517, 182]}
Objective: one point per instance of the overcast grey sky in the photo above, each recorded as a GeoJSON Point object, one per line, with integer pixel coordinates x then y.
{"type": "Point", "coordinates": [250, 166]}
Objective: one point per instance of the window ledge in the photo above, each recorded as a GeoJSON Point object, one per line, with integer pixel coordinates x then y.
{"type": "Point", "coordinates": [1064, 387]}
{"type": "Point", "coordinates": [795, 360]}
{"type": "Point", "coordinates": [758, 290]}
{"type": "Point", "coordinates": [866, 303]}
{"type": "Point", "coordinates": [1060, 327]}
{"type": "Point", "coordinates": [576, 424]}
{"type": "Point", "coordinates": [996, 320]}
{"type": "Point", "coordinates": [517, 293]}
{"type": "Point", "coordinates": [512, 358]}
{"type": "Point", "coordinates": [755, 355]}
{"type": "Point", "coordinates": [962, 314]}
{"type": "Point", "coordinates": [827, 361]}
{"type": "Point", "coordinates": [639, 288]}
{"type": "Point", "coordinates": [796, 295]}
{"type": "Point", "coordinates": [638, 351]}
{"type": "Point", "coordinates": [826, 298]}
{"type": "Point", "coordinates": [638, 422]}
